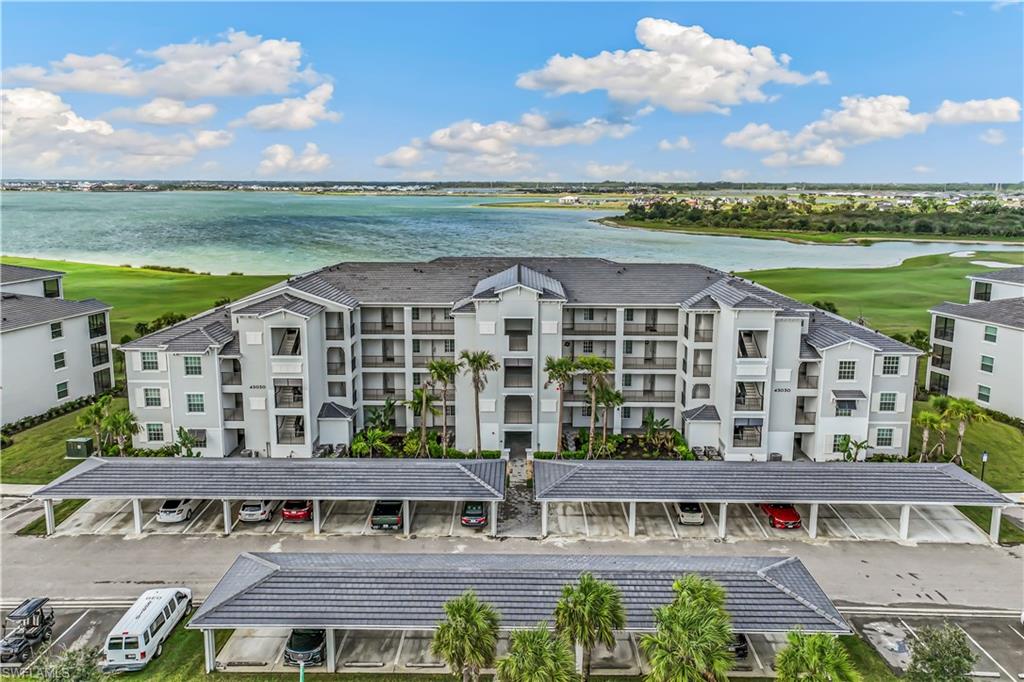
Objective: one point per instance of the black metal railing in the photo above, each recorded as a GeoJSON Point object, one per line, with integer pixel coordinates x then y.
{"type": "Point", "coordinates": [583, 328]}
{"type": "Point", "coordinates": [807, 381]}
{"type": "Point", "coordinates": [704, 335]}
{"type": "Point", "coordinates": [518, 416]}
{"type": "Point", "coordinates": [335, 333]}
{"type": "Point", "coordinates": [750, 404]}
{"type": "Point", "coordinates": [287, 398]}
{"type": "Point", "coordinates": [649, 396]}
{"type": "Point", "coordinates": [805, 417]}
{"type": "Point", "coordinates": [643, 329]}
{"type": "Point", "coordinates": [383, 361]}
{"type": "Point", "coordinates": [654, 363]}
{"type": "Point", "coordinates": [335, 367]}
{"type": "Point", "coordinates": [382, 327]}
{"type": "Point", "coordinates": [702, 370]}
{"type": "Point", "coordinates": [233, 414]}
{"type": "Point", "coordinates": [381, 393]}
{"type": "Point", "coordinates": [517, 380]}
{"type": "Point", "coordinates": [231, 378]}
{"type": "Point", "coordinates": [434, 327]}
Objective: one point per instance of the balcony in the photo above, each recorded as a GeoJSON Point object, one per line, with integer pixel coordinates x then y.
{"type": "Point", "coordinates": [588, 328]}
{"type": "Point", "coordinates": [231, 378]}
{"type": "Point", "coordinates": [233, 414]}
{"type": "Point", "coordinates": [702, 370]}
{"type": "Point", "coordinates": [335, 333]}
{"type": "Point", "coordinates": [805, 417]}
{"type": "Point", "coordinates": [383, 361]}
{"type": "Point", "coordinates": [434, 327]}
{"type": "Point", "coordinates": [704, 335]}
{"type": "Point", "coordinates": [747, 441]}
{"type": "Point", "coordinates": [382, 328]}
{"type": "Point", "coordinates": [648, 363]}
{"type": "Point", "coordinates": [749, 404]}
{"type": "Point", "coordinates": [335, 368]}
{"type": "Point", "coordinates": [382, 393]}
{"type": "Point", "coordinates": [576, 397]}
{"type": "Point", "coordinates": [642, 329]}
{"type": "Point", "coordinates": [649, 396]}
{"type": "Point", "coordinates": [807, 381]}
{"type": "Point", "coordinates": [577, 356]}
{"type": "Point", "coordinates": [519, 379]}
{"type": "Point", "coordinates": [448, 395]}
{"type": "Point", "coordinates": [518, 416]}
{"type": "Point", "coordinates": [425, 360]}
{"type": "Point", "coordinates": [286, 397]}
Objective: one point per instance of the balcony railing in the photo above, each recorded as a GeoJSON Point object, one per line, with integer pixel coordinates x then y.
{"type": "Point", "coordinates": [383, 361]}
{"type": "Point", "coordinates": [233, 414]}
{"type": "Point", "coordinates": [448, 395]}
{"type": "Point", "coordinates": [434, 327]}
{"type": "Point", "coordinates": [649, 396]}
{"type": "Point", "coordinates": [805, 417]}
{"type": "Point", "coordinates": [518, 416]}
{"type": "Point", "coordinates": [577, 356]}
{"type": "Point", "coordinates": [704, 335]}
{"type": "Point", "coordinates": [642, 329]}
{"type": "Point", "coordinates": [425, 360]}
{"type": "Point", "coordinates": [750, 405]}
{"type": "Point", "coordinates": [335, 333]}
{"type": "Point", "coordinates": [382, 327]}
{"type": "Point", "coordinates": [588, 328]}
{"type": "Point", "coordinates": [576, 396]}
{"type": "Point", "coordinates": [702, 370]}
{"type": "Point", "coordinates": [648, 363]}
{"type": "Point", "coordinates": [807, 381]}
{"type": "Point", "coordinates": [291, 438]}
{"type": "Point", "coordinates": [382, 393]}
{"type": "Point", "coordinates": [518, 380]}
{"type": "Point", "coordinates": [231, 378]}
{"type": "Point", "coordinates": [518, 342]}
{"type": "Point", "coordinates": [747, 441]}
{"type": "Point", "coordinates": [335, 368]}
{"type": "Point", "coordinates": [287, 399]}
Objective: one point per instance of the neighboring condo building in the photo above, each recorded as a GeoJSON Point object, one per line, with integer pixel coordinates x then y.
{"type": "Point", "coordinates": [732, 364]}
{"type": "Point", "coordinates": [53, 349]}
{"type": "Point", "coordinates": [978, 347]}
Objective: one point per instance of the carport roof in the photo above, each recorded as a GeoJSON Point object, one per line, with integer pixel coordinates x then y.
{"type": "Point", "coordinates": [408, 591]}
{"type": "Point", "coordinates": [280, 479]}
{"type": "Point", "coordinates": [784, 482]}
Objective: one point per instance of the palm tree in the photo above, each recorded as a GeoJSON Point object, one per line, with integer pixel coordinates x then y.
{"type": "Point", "coordinates": [608, 398]}
{"type": "Point", "coordinates": [422, 404]}
{"type": "Point", "coordinates": [121, 425]}
{"type": "Point", "coordinates": [559, 371]}
{"type": "Point", "coordinates": [817, 657]}
{"type": "Point", "coordinates": [443, 372]}
{"type": "Point", "coordinates": [589, 613]}
{"type": "Point", "coordinates": [467, 639]}
{"type": "Point", "coordinates": [927, 420]}
{"type": "Point", "coordinates": [537, 655]}
{"type": "Point", "coordinates": [595, 372]}
{"type": "Point", "coordinates": [382, 417]}
{"type": "Point", "coordinates": [92, 418]}
{"type": "Point", "coordinates": [963, 411]}
{"type": "Point", "coordinates": [693, 634]}
{"type": "Point", "coordinates": [371, 440]}
{"type": "Point", "coordinates": [186, 441]}
{"type": "Point", "coordinates": [477, 364]}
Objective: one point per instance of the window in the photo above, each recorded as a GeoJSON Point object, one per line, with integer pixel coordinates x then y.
{"type": "Point", "coordinates": [97, 325]}
{"type": "Point", "coordinates": [845, 408]}
{"type": "Point", "coordinates": [449, 345]}
{"type": "Point", "coordinates": [746, 433]}
{"type": "Point", "coordinates": [891, 365]}
{"type": "Point", "coordinates": [627, 380]}
{"type": "Point", "coordinates": [883, 439]}
{"type": "Point", "coordinates": [62, 390]}
{"type": "Point", "coordinates": [982, 291]}
{"type": "Point", "coordinates": [627, 412]}
{"type": "Point", "coordinates": [987, 363]}
{"type": "Point", "coordinates": [195, 403]}
{"type": "Point", "coordinates": [415, 313]}
{"type": "Point", "coordinates": [627, 347]}
{"type": "Point", "coordinates": [200, 437]}
{"type": "Point", "coordinates": [193, 366]}
{"type": "Point", "coordinates": [944, 328]}
{"type": "Point", "coordinates": [154, 432]}
{"type": "Point", "coordinates": [151, 397]}
{"type": "Point", "coordinates": [58, 361]}
{"type": "Point", "coordinates": [415, 345]}
{"type": "Point", "coordinates": [101, 382]}
{"type": "Point", "coordinates": [990, 333]}
{"type": "Point", "coordinates": [588, 347]}
{"type": "Point", "coordinates": [51, 288]}
{"type": "Point", "coordinates": [839, 442]}
{"type": "Point", "coordinates": [588, 314]}
{"type": "Point", "coordinates": [629, 314]}
{"type": "Point", "coordinates": [149, 361]}
{"type": "Point", "coordinates": [847, 370]}
{"type": "Point", "coordinates": [939, 383]}
{"type": "Point", "coordinates": [585, 410]}
{"type": "Point", "coordinates": [942, 356]}
{"type": "Point", "coordinates": [984, 393]}
{"type": "Point", "coordinates": [157, 624]}
{"type": "Point", "coordinates": [449, 410]}
{"type": "Point", "coordinates": [56, 330]}
{"type": "Point", "coordinates": [416, 379]}
{"type": "Point", "coordinates": [886, 402]}
{"type": "Point", "coordinates": [701, 391]}
{"type": "Point", "coordinates": [100, 353]}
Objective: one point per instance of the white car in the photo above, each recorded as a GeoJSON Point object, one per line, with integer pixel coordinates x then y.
{"type": "Point", "coordinates": [689, 513]}
{"type": "Point", "coordinates": [176, 511]}
{"type": "Point", "coordinates": [256, 510]}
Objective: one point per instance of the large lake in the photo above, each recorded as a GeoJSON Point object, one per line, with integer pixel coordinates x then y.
{"type": "Point", "coordinates": [275, 233]}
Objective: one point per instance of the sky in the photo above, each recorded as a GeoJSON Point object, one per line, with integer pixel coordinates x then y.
{"type": "Point", "coordinates": [669, 92]}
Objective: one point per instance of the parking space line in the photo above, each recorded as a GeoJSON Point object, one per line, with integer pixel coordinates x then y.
{"type": "Point", "coordinates": [21, 507]}
{"type": "Point", "coordinates": [625, 514]}
{"type": "Point", "coordinates": [369, 515]}
{"type": "Point", "coordinates": [937, 529]}
{"type": "Point", "coordinates": [279, 522]}
{"type": "Point", "coordinates": [398, 653]}
{"type": "Point", "coordinates": [757, 659]}
{"type": "Point", "coordinates": [982, 650]}
{"type": "Point", "coordinates": [197, 517]}
{"type": "Point", "coordinates": [151, 520]}
{"type": "Point", "coordinates": [671, 523]}
{"type": "Point", "coordinates": [907, 628]}
{"type": "Point", "coordinates": [843, 521]}
{"type": "Point", "coordinates": [53, 642]}
{"type": "Point", "coordinates": [586, 524]}
{"type": "Point", "coordinates": [1016, 631]}
{"type": "Point", "coordinates": [323, 519]}
{"type": "Point", "coordinates": [756, 520]}
{"type": "Point", "coordinates": [882, 516]}
{"type": "Point", "coordinates": [113, 516]}
{"type": "Point", "coordinates": [455, 515]}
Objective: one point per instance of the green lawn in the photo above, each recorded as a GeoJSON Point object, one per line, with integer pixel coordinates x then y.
{"type": "Point", "coordinates": [37, 455]}
{"type": "Point", "coordinates": [892, 299]}
{"type": "Point", "coordinates": [140, 295]}
{"type": "Point", "coordinates": [61, 511]}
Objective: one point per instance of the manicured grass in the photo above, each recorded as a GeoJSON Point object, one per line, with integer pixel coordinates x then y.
{"type": "Point", "coordinates": [868, 662]}
{"type": "Point", "coordinates": [61, 511]}
{"type": "Point", "coordinates": [37, 455]}
{"type": "Point", "coordinates": [140, 295]}
{"type": "Point", "coordinates": [892, 299]}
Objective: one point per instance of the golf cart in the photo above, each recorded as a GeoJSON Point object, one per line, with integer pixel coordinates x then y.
{"type": "Point", "coordinates": [25, 627]}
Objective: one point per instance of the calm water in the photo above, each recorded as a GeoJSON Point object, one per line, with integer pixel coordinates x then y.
{"type": "Point", "coordinates": [222, 232]}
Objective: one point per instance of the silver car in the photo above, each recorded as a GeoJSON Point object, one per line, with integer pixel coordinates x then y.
{"type": "Point", "coordinates": [176, 511]}
{"type": "Point", "coordinates": [256, 510]}
{"type": "Point", "coordinates": [689, 513]}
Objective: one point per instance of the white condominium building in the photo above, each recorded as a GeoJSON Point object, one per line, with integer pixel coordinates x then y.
{"type": "Point", "coordinates": [978, 347]}
{"type": "Point", "coordinates": [730, 363]}
{"type": "Point", "coordinates": [53, 350]}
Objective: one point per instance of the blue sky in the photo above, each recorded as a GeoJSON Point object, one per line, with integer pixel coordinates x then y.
{"type": "Point", "coordinates": [870, 92]}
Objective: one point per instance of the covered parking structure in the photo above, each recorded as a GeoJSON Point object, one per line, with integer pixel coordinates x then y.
{"type": "Point", "coordinates": [905, 485]}
{"type": "Point", "coordinates": [230, 479]}
{"type": "Point", "coordinates": [407, 592]}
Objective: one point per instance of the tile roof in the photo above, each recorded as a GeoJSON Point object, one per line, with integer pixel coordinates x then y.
{"type": "Point", "coordinates": [1008, 312]}
{"type": "Point", "coordinates": [282, 479]}
{"type": "Point", "coordinates": [807, 351]}
{"type": "Point", "coordinates": [9, 274]}
{"type": "Point", "coordinates": [789, 482]}
{"type": "Point", "coordinates": [1011, 275]}
{"type": "Point", "coordinates": [232, 348]}
{"type": "Point", "coordinates": [196, 334]}
{"type": "Point", "coordinates": [408, 591]}
{"type": "Point", "coordinates": [332, 410]}
{"type": "Point", "coordinates": [292, 304]}
{"type": "Point", "coordinates": [21, 310]}
{"type": "Point", "coordinates": [318, 286]}
{"type": "Point", "coordinates": [825, 329]}
{"type": "Point", "coordinates": [849, 395]}
{"type": "Point", "coordinates": [519, 275]}
{"type": "Point", "coordinates": [703, 413]}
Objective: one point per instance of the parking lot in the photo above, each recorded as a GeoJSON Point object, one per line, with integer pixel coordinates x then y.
{"type": "Point", "coordinates": [75, 628]}
{"type": "Point", "coordinates": [115, 517]}
{"type": "Point", "coordinates": [873, 522]}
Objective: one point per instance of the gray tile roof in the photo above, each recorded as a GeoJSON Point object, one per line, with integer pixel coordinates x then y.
{"type": "Point", "coordinates": [332, 410]}
{"type": "Point", "coordinates": [318, 286]}
{"type": "Point", "coordinates": [789, 482]}
{"type": "Point", "coordinates": [196, 334]}
{"type": "Point", "coordinates": [292, 304]}
{"type": "Point", "coordinates": [703, 413]}
{"type": "Point", "coordinates": [408, 591]}
{"type": "Point", "coordinates": [825, 330]}
{"type": "Point", "coordinates": [9, 274]}
{"type": "Point", "coordinates": [807, 351]}
{"type": "Point", "coordinates": [232, 348]}
{"type": "Point", "coordinates": [21, 310]}
{"type": "Point", "coordinates": [282, 479]}
{"type": "Point", "coordinates": [848, 395]}
{"type": "Point", "coordinates": [519, 275]}
{"type": "Point", "coordinates": [1011, 275]}
{"type": "Point", "coordinates": [1008, 312]}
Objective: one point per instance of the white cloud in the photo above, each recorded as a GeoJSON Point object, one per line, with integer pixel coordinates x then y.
{"type": "Point", "coordinates": [165, 111]}
{"type": "Point", "coordinates": [921, 169]}
{"type": "Point", "coordinates": [293, 113]}
{"type": "Point", "coordinates": [993, 136]}
{"type": "Point", "coordinates": [858, 121]}
{"type": "Point", "coordinates": [626, 172]}
{"type": "Point", "coordinates": [682, 142]}
{"type": "Point", "coordinates": [680, 68]}
{"type": "Point", "coordinates": [281, 159]}
{"type": "Point", "coordinates": [42, 134]}
{"type": "Point", "coordinates": [403, 157]}
{"type": "Point", "coordinates": [239, 64]}
{"type": "Point", "coordinates": [1001, 110]}
{"type": "Point", "coordinates": [734, 174]}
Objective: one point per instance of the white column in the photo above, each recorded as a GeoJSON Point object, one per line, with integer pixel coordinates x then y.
{"type": "Point", "coordinates": [723, 509]}
{"type": "Point", "coordinates": [137, 515]}
{"type": "Point", "coordinates": [579, 658]}
{"type": "Point", "coordinates": [209, 650]}
{"type": "Point", "coordinates": [632, 519]}
{"type": "Point", "coordinates": [494, 519]}
{"type": "Point", "coordinates": [51, 526]}
{"type": "Point", "coordinates": [993, 529]}
{"type": "Point", "coordinates": [543, 519]}
{"type": "Point", "coordinates": [316, 517]}
{"type": "Point", "coordinates": [812, 522]}
{"type": "Point", "coordinates": [227, 516]}
{"type": "Point", "coordinates": [905, 522]}
{"type": "Point", "coordinates": [332, 653]}
{"type": "Point", "coordinates": [406, 521]}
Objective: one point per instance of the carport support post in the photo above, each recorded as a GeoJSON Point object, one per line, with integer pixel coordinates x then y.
{"type": "Point", "coordinates": [632, 519]}
{"type": "Point", "coordinates": [405, 518]}
{"type": "Point", "coordinates": [812, 522]}
{"type": "Point", "coordinates": [51, 527]}
{"type": "Point", "coordinates": [332, 654]}
{"type": "Point", "coordinates": [316, 517]}
{"type": "Point", "coordinates": [227, 516]}
{"type": "Point", "coordinates": [905, 522]}
{"type": "Point", "coordinates": [494, 519]}
{"type": "Point", "coordinates": [209, 650]}
{"type": "Point", "coordinates": [137, 514]}
{"type": "Point", "coordinates": [723, 509]}
{"type": "Point", "coordinates": [543, 519]}
{"type": "Point", "coordinates": [993, 529]}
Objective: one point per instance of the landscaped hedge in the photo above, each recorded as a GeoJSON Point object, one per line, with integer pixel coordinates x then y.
{"type": "Point", "coordinates": [52, 413]}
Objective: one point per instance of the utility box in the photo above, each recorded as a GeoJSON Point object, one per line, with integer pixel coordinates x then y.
{"type": "Point", "coordinates": [79, 448]}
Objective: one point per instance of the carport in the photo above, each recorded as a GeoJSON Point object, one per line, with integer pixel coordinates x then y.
{"type": "Point", "coordinates": [159, 478]}
{"type": "Point", "coordinates": [903, 485]}
{"type": "Point", "coordinates": [266, 592]}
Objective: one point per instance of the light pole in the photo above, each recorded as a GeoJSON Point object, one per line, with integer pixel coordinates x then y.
{"type": "Point", "coordinates": [984, 459]}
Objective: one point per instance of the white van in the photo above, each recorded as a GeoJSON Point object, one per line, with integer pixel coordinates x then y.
{"type": "Point", "coordinates": [139, 636]}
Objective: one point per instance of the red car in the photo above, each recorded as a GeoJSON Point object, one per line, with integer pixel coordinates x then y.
{"type": "Point", "coordinates": [782, 515]}
{"type": "Point", "coordinates": [297, 510]}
